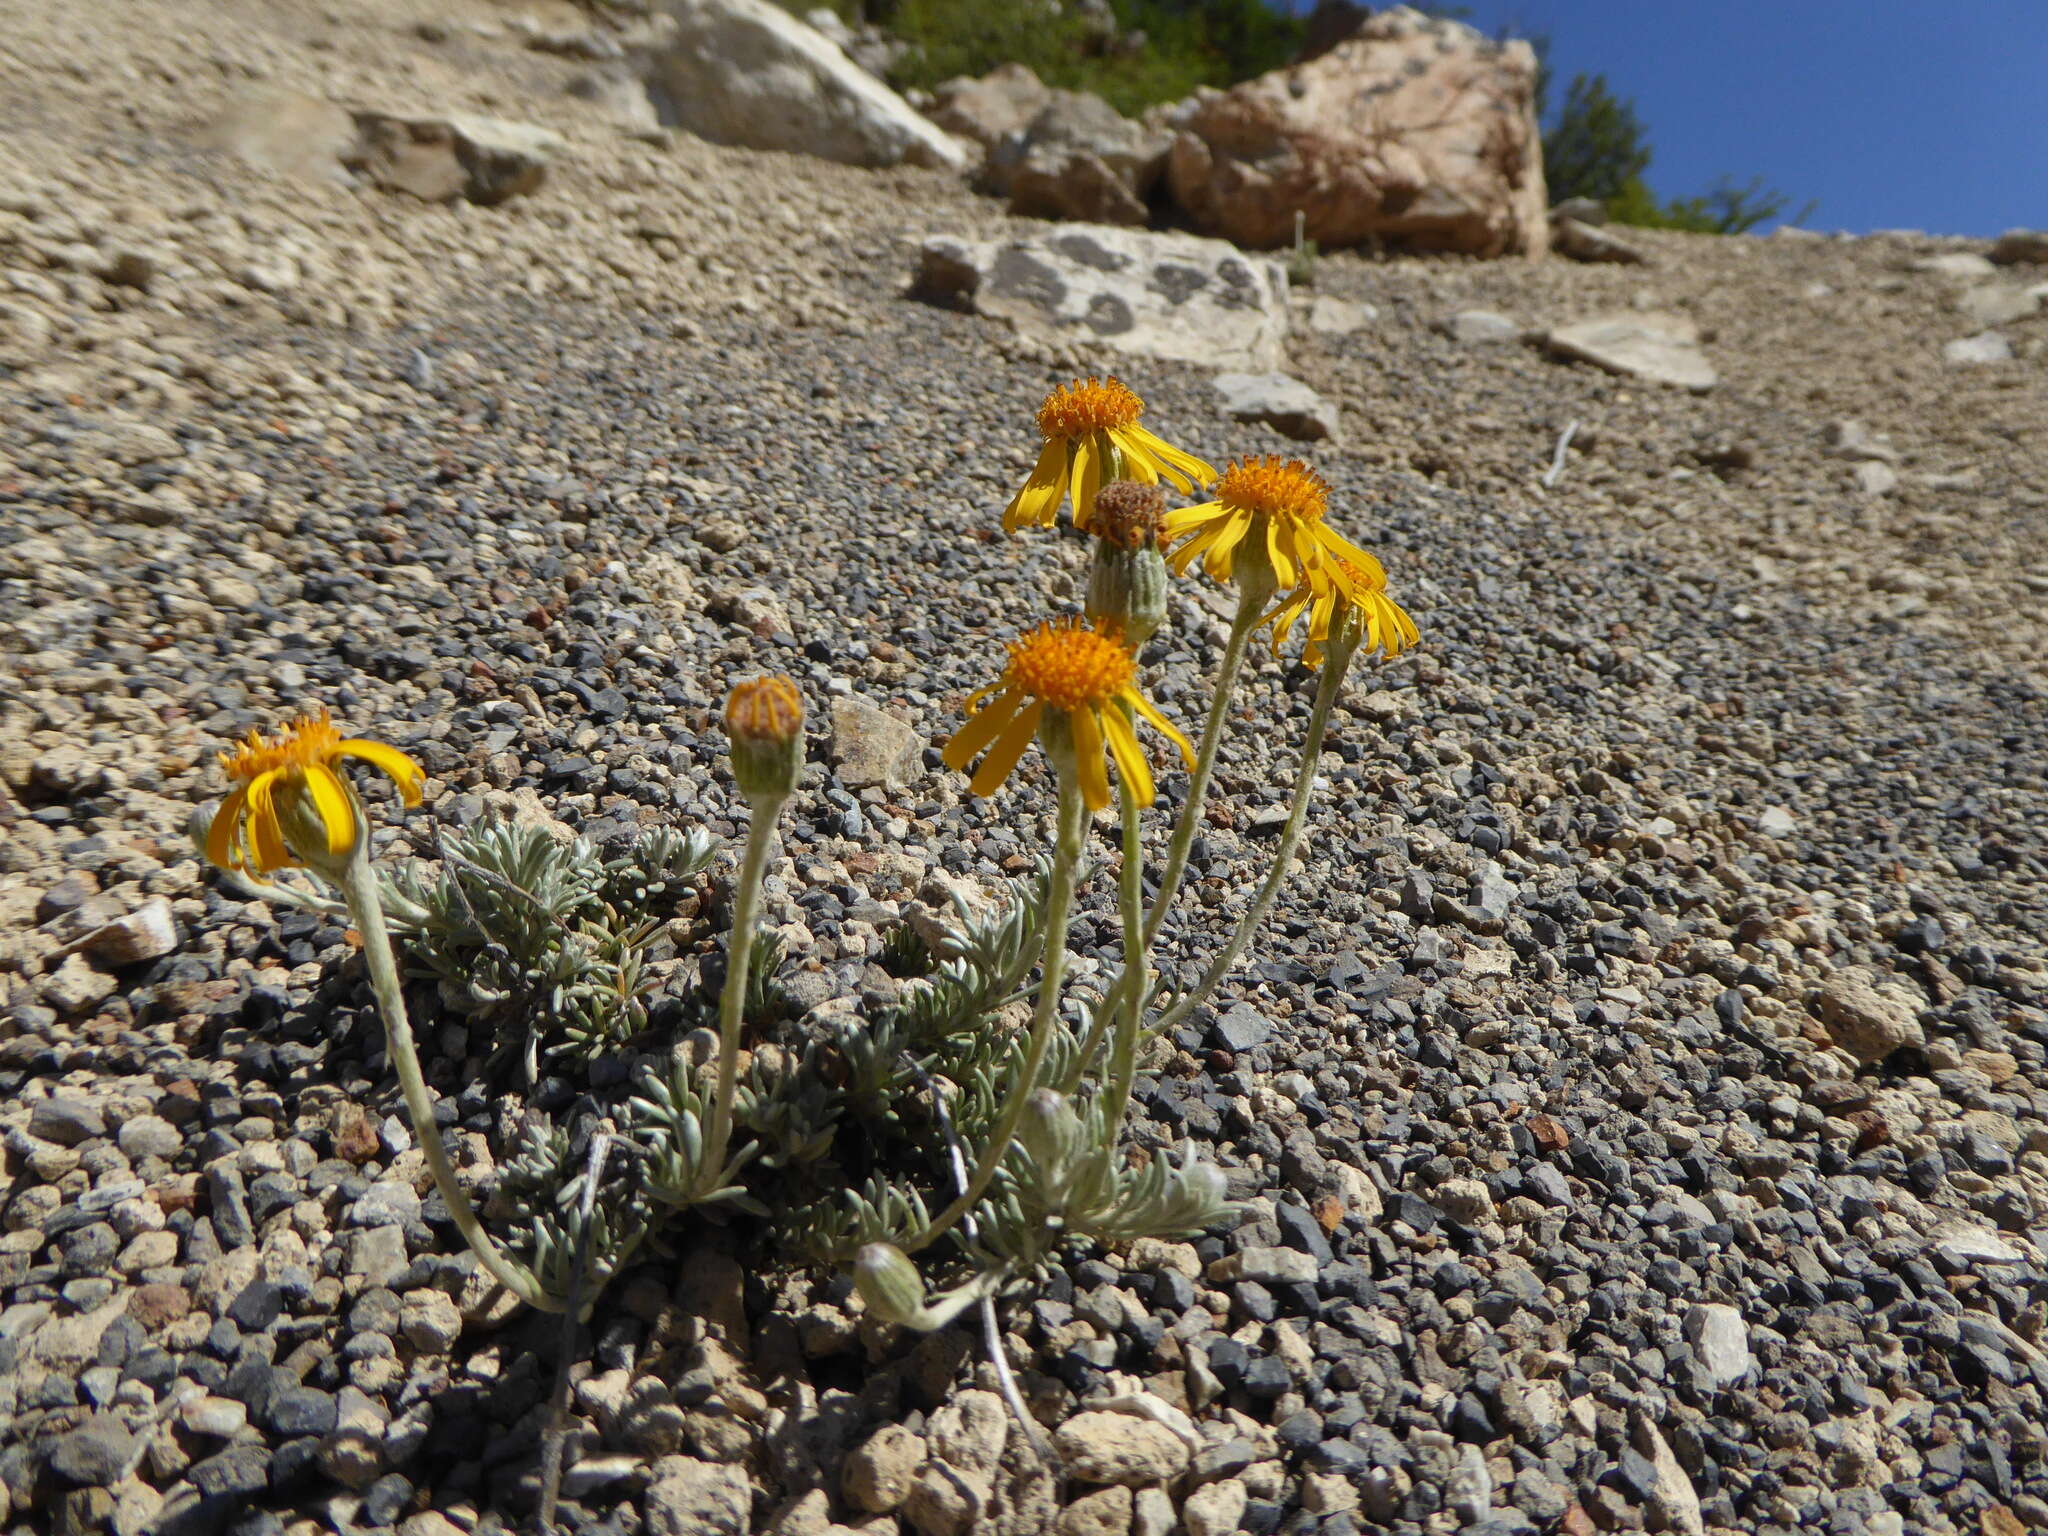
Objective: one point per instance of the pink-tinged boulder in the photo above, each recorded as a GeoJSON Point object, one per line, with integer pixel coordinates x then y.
{"type": "Point", "coordinates": [1415, 131]}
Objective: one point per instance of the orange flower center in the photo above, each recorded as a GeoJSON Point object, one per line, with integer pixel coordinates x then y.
{"type": "Point", "coordinates": [1274, 486]}
{"type": "Point", "coordinates": [1092, 405]}
{"type": "Point", "coordinates": [1070, 667]}
{"type": "Point", "coordinates": [307, 740]}
{"type": "Point", "coordinates": [765, 709]}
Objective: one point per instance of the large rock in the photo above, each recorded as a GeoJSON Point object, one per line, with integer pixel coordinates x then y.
{"type": "Point", "coordinates": [286, 132]}
{"type": "Point", "coordinates": [1157, 295]}
{"type": "Point", "coordinates": [746, 72]}
{"type": "Point", "coordinates": [1078, 158]}
{"type": "Point", "coordinates": [698, 1498]}
{"type": "Point", "coordinates": [872, 746]}
{"type": "Point", "coordinates": [1117, 1448]}
{"type": "Point", "coordinates": [1868, 1018]}
{"type": "Point", "coordinates": [444, 156]}
{"type": "Point", "coordinates": [987, 110]}
{"type": "Point", "coordinates": [1416, 131]}
{"type": "Point", "coordinates": [1643, 344]}
{"type": "Point", "coordinates": [1287, 405]}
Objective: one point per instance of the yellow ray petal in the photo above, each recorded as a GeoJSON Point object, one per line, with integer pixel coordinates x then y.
{"type": "Point", "coordinates": [1089, 453]}
{"type": "Point", "coordinates": [1144, 707]}
{"type": "Point", "coordinates": [981, 728]}
{"type": "Point", "coordinates": [221, 839]}
{"type": "Point", "coordinates": [337, 810]}
{"type": "Point", "coordinates": [1002, 757]}
{"type": "Point", "coordinates": [1283, 617]}
{"type": "Point", "coordinates": [266, 837]}
{"type": "Point", "coordinates": [1370, 572]}
{"type": "Point", "coordinates": [1039, 500]}
{"type": "Point", "coordinates": [1131, 766]}
{"type": "Point", "coordinates": [1088, 757]}
{"type": "Point", "coordinates": [1217, 561]}
{"type": "Point", "coordinates": [1180, 520]}
{"type": "Point", "coordinates": [1279, 547]}
{"type": "Point", "coordinates": [1183, 469]}
{"type": "Point", "coordinates": [391, 762]}
{"type": "Point", "coordinates": [1387, 624]}
{"type": "Point", "coordinates": [1139, 464]}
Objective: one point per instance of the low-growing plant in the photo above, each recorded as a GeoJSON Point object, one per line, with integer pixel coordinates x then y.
{"type": "Point", "coordinates": [950, 1144]}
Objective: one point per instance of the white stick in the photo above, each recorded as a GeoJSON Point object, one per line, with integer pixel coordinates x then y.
{"type": "Point", "coordinates": [1556, 471]}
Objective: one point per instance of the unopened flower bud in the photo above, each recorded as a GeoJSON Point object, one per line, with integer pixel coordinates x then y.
{"type": "Point", "coordinates": [1127, 575]}
{"type": "Point", "coordinates": [889, 1283]}
{"type": "Point", "coordinates": [765, 719]}
{"type": "Point", "coordinates": [1049, 1130]}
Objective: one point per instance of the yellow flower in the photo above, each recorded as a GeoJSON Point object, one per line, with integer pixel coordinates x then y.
{"type": "Point", "coordinates": [1278, 502]}
{"type": "Point", "coordinates": [1341, 583]}
{"type": "Point", "coordinates": [1085, 424]}
{"type": "Point", "coordinates": [1088, 678]}
{"type": "Point", "coordinates": [288, 797]}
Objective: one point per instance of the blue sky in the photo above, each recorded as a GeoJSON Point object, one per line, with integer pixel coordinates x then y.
{"type": "Point", "coordinates": [1895, 114]}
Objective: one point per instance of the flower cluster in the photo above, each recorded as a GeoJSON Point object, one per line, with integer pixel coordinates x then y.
{"type": "Point", "coordinates": [1266, 527]}
{"type": "Point", "coordinates": [933, 1116]}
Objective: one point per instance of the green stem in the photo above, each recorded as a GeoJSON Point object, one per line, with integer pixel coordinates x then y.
{"type": "Point", "coordinates": [739, 957]}
{"type": "Point", "coordinates": [1341, 646]}
{"type": "Point", "coordinates": [1073, 817]}
{"type": "Point", "coordinates": [359, 885]}
{"type": "Point", "coordinates": [1250, 600]}
{"type": "Point", "coordinates": [1255, 588]}
{"type": "Point", "coordinates": [1131, 898]}
{"type": "Point", "coordinates": [1123, 1056]}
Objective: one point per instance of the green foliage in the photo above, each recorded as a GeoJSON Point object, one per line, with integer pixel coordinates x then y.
{"type": "Point", "coordinates": [1725, 209]}
{"type": "Point", "coordinates": [1596, 148]}
{"type": "Point", "coordinates": [1186, 43]}
{"type": "Point", "coordinates": [839, 1140]}
{"type": "Point", "coordinates": [544, 940]}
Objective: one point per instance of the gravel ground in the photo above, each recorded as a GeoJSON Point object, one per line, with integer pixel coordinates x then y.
{"type": "Point", "coordinates": [1636, 1104]}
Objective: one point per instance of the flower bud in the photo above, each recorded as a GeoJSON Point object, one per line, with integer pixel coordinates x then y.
{"type": "Point", "coordinates": [889, 1283]}
{"type": "Point", "coordinates": [764, 716]}
{"type": "Point", "coordinates": [1127, 576]}
{"type": "Point", "coordinates": [1049, 1130]}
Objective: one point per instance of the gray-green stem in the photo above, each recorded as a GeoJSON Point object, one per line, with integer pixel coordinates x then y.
{"type": "Point", "coordinates": [1251, 600]}
{"type": "Point", "coordinates": [1131, 898]}
{"type": "Point", "coordinates": [1128, 1001]}
{"type": "Point", "coordinates": [1059, 907]}
{"type": "Point", "coordinates": [1338, 660]}
{"type": "Point", "coordinates": [739, 957]}
{"type": "Point", "coordinates": [359, 886]}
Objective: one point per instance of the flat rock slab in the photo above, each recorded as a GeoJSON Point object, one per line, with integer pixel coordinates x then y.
{"type": "Point", "coordinates": [439, 158]}
{"type": "Point", "coordinates": [1984, 347]}
{"type": "Point", "coordinates": [1661, 348]}
{"type": "Point", "coordinates": [1480, 327]}
{"type": "Point", "coordinates": [1585, 242]}
{"type": "Point", "coordinates": [1329, 316]}
{"type": "Point", "coordinates": [1178, 297]}
{"type": "Point", "coordinates": [1287, 405]}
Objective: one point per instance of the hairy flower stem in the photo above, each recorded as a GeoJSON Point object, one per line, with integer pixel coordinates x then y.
{"type": "Point", "coordinates": [739, 955]}
{"type": "Point", "coordinates": [1343, 642]}
{"type": "Point", "coordinates": [1059, 907]}
{"type": "Point", "coordinates": [359, 887]}
{"type": "Point", "coordinates": [1126, 1006]}
{"type": "Point", "coordinates": [1252, 596]}
{"type": "Point", "coordinates": [1118, 999]}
